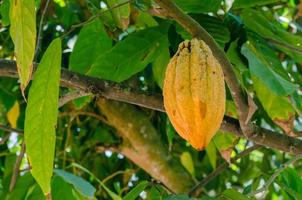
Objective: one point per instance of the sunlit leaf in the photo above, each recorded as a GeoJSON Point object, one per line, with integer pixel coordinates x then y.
{"type": "Point", "coordinates": [187, 161]}
{"type": "Point", "coordinates": [13, 114]}
{"type": "Point", "coordinates": [41, 116]}
{"type": "Point", "coordinates": [23, 33]}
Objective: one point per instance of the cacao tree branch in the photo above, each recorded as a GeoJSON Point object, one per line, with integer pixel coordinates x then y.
{"type": "Point", "coordinates": [196, 30]}
{"type": "Point", "coordinates": [113, 91]}
{"type": "Point", "coordinates": [95, 86]}
{"type": "Point", "coordinates": [220, 169]}
{"type": "Point", "coordinates": [266, 138]}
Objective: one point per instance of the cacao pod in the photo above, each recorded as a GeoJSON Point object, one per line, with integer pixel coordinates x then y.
{"type": "Point", "coordinates": [194, 93]}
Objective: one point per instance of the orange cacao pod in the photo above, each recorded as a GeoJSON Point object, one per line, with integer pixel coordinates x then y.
{"type": "Point", "coordinates": [194, 93]}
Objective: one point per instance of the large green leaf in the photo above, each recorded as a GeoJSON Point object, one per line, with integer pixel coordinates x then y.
{"type": "Point", "coordinates": [287, 42]}
{"type": "Point", "coordinates": [248, 3]}
{"type": "Point", "coordinates": [23, 32]}
{"type": "Point", "coordinates": [199, 6]}
{"type": "Point", "coordinates": [41, 115]}
{"type": "Point", "coordinates": [84, 187]}
{"type": "Point", "coordinates": [263, 65]}
{"type": "Point", "coordinates": [130, 55]}
{"type": "Point", "coordinates": [92, 42]}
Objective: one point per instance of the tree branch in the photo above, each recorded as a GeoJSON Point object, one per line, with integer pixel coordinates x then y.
{"type": "Point", "coordinates": [113, 91]}
{"type": "Point", "coordinates": [95, 86]}
{"type": "Point", "coordinates": [221, 168]}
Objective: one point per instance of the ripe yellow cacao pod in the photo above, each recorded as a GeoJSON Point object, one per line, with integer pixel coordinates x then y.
{"type": "Point", "coordinates": [194, 93]}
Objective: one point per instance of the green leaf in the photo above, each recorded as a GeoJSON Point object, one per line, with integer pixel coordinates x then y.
{"type": "Point", "coordinates": [187, 161]}
{"type": "Point", "coordinates": [60, 189]}
{"type": "Point", "coordinates": [130, 55]}
{"type": "Point", "coordinates": [84, 187]}
{"type": "Point", "coordinates": [34, 192]}
{"type": "Point", "coordinates": [263, 67]}
{"type": "Point", "coordinates": [22, 186]}
{"type": "Point", "coordinates": [134, 193]}
{"type": "Point", "coordinates": [159, 65]}
{"type": "Point", "coordinates": [198, 6]}
{"type": "Point", "coordinates": [270, 29]}
{"type": "Point", "coordinates": [120, 14]}
{"type": "Point", "coordinates": [23, 33]}
{"type": "Point", "coordinates": [41, 116]}
{"type": "Point", "coordinates": [4, 12]}
{"type": "Point", "coordinates": [232, 194]}
{"type": "Point", "coordinates": [224, 141]}
{"type": "Point", "coordinates": [212, 153]}
{"type": "Point", "coordinates": [276, 107]}
{"type": "Point", "coordinates": [248, 3]}
{"type": "Point", "coordinates": [92, 42]}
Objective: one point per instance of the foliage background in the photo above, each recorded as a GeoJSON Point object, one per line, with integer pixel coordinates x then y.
{"type": "Point", "coordinates": [131, 45]}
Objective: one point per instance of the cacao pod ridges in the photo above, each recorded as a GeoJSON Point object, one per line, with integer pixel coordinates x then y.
{"type": "Point", "coordinates": [194, 93]}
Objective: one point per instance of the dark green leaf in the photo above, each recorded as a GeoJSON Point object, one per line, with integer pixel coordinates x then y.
{"type": "Point", "coordinates": [63, 190]}
{"type": "Point", "coordinates": [22, 186]}
{"type": "Point", "coordinates": [130, 55]}
{"type": "Point", "coordinates": [91, 43]}
{"type": "Point", "coordinates": [134, 193]}
{"type": "Point", "coordinates": [41, 115]}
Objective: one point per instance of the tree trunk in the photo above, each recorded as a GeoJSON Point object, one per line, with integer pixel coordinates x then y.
{"type": "Point", "coordinates": [143, 145]}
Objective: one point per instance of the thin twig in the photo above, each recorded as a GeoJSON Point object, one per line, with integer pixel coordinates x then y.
{"type": "Point", "coordinates": [17, 167]}
{"type": "Point", "coordinates": [72, 96]}
{"type": "Point", "coordinates": [100, 13]}
{"type": "Point", "coordinates": [9, 129]}
{"type": "Point", "coordinates": [275, 175]}
{"type": "Point", "coordinates": [4, 138]}
{"type": "Point", "coordinates": [39, 38]}
{"type": "Point", "coordinates": [222, 167]}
